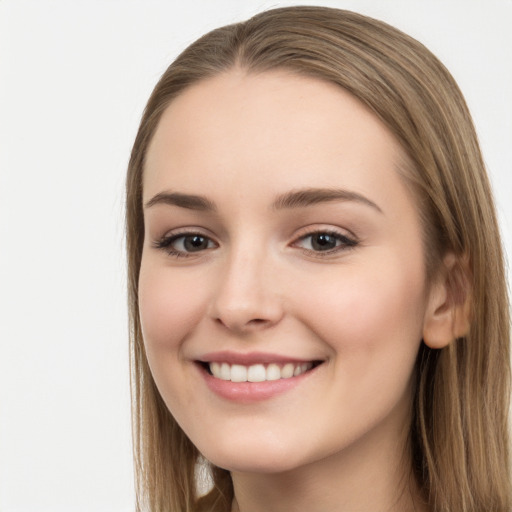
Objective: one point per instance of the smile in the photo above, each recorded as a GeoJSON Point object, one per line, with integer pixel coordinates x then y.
{"type": "Point", "coordinates": [257, 372]}
{"type": "Point", "coordinates": [252, 377]}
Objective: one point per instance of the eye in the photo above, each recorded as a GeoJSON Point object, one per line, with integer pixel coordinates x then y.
{"type": "Point", "coordinates": [325, 241]}
{"type": "Point", "coordinates": [183, 245]}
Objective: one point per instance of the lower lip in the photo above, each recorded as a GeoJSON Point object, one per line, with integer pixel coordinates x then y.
{"type": "Point", "coordinates": [248, 392]}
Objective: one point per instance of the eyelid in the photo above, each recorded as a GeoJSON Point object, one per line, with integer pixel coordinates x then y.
{"type": "Point", "coordinates": [349, 240]}
{"type": "Point", "coordinates": [165, 242]}
{"type": "Point", "coordinates": [325, 228]}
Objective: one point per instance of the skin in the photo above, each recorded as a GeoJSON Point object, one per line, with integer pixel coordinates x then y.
{"type": "Point", "coordinates": [338, 440]}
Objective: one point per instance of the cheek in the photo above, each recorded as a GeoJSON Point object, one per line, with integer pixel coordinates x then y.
{"type": "Point", "coordinates": [169, 305]}
{"type": "Point", "coordinates": [371, 321]}
{"type": "Point", "coordinates": [368, 309]}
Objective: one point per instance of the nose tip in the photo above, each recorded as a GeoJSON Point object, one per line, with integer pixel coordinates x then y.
{"type": "Point", "coordinates": [242, 319]}
{"type": "Point", "coordinates": [246, 298]}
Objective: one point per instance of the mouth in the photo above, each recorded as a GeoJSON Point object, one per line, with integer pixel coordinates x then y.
{"type": "Point", "coordinates": [259, 372]}
{"type": "Point", "coordinates": [246, 378]}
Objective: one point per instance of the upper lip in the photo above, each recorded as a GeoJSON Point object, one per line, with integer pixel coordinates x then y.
{"type": "Point", "coordinates": [250, 358]}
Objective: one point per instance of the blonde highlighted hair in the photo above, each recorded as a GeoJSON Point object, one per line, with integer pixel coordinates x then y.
{"type": "Point", "coordinates": [459, 441]}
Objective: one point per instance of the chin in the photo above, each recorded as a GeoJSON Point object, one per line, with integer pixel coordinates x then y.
{"type": "Point", "coordinates": [254, 465]}
{"type": "Point", "coordinates": [257, 458]}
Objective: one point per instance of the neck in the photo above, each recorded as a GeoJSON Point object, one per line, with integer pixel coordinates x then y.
{"type": "Point", "coordinates": [372, 475]}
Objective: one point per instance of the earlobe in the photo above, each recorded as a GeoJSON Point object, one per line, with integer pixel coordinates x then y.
{"type": "Point", "coordinates": [448, 312]}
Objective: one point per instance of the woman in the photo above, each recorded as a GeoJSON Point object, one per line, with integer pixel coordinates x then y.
{"type": "Point", "coordinates": [318, 301]}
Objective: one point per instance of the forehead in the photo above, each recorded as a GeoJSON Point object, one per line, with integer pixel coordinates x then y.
{"type": "Point", "coordinates": [244, 131]}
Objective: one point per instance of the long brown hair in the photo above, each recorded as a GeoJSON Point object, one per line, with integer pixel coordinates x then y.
{"type": "Point", "coordinates": [459, 433]}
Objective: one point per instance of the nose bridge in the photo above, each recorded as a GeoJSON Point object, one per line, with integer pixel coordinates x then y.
{"type": "Point", "coordinates": [245, 298]}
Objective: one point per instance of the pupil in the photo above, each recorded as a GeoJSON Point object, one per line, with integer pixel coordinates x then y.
{"type": "Point", "coordinates": [195, 243]}
{"type": "Point", "coordinates": [323, 242]}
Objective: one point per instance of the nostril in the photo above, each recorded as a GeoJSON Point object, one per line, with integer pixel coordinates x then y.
{"type": "Point", "coordinates": [248, 325]}
{"type": "Point", "coordinates": [243, 307]}
{"type": "Point", "coordinates": [257, 323]}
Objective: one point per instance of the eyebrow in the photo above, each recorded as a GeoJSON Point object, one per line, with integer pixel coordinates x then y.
{"type": "Point", "coordinates": [189, 201]}
{"type": "Point", "coordinates": [312, 196]}
{"type": "Point", "coordinates": [289, 200]}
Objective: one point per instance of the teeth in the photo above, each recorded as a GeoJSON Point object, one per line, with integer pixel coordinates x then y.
{"type": "Point", "coordinates": [273, 372]}
{"type": "Point", "coordinates": [225, 371]}
{"type": "Point", "coordinates": [257, 372]}
{"type": "Point", "coordinates": [238, 373]}
{"type": "Point", "coordinates": [287, 371]}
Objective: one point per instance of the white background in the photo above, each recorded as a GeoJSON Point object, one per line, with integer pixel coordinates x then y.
{"type": "Point", "coordinates": [74, 78]}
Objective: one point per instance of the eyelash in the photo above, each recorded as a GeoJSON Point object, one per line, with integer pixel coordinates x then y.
{"type": "Point", "coordinates": [166, 242]}
{"type": "Point", "coordinates": [346, 243]}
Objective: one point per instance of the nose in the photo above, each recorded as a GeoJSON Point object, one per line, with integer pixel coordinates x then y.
{"type": "Point", "coordinates": [246, 298]}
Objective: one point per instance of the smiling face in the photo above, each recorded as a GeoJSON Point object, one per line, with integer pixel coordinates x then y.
{"type": "Point", "coordinates": [280, 240]}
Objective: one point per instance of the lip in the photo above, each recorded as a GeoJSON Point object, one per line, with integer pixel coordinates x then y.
{"type": "Point", "coordinates": [250, 392]}
{"type": "Point", "coordinates": [247, 359]}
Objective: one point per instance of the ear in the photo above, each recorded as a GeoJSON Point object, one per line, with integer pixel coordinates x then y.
{"type": "Point", "coordinates": [448, 312]}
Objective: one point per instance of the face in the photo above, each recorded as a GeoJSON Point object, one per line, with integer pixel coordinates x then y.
{"type": "Point", "coordinates": [282, 288]}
